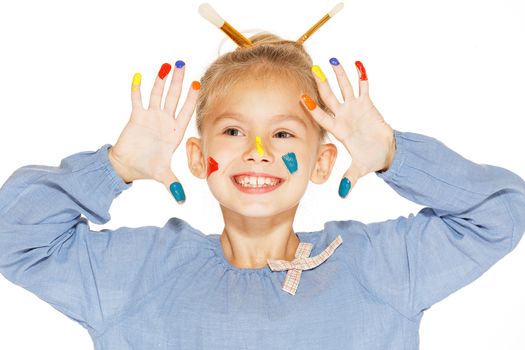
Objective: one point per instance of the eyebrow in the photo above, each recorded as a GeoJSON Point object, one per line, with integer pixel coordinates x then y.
{"type": "Point", "coordinates": [277, 116]}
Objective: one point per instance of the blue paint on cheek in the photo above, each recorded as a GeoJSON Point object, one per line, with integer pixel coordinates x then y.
{"type": "Point", "coordinates": [290, 161]}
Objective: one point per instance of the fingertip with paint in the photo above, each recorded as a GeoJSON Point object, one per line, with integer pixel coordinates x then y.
{"type": "Point", "coordinates": [136, 81]}
{"type": "Point", "coordinates": [344, 187]}
{"type": "Point", "coordinates": [309, 102]}
{"type": "Point", "coordinates": [195, 85]}
{"type": "Point", "coordinates": [334, 61]}
{"type": "Point", "coordinates": [362, 70]}
{"type": "Point", "coordinates": [319, 72]}
{"type": "Point", "coordinates": [164, 70]}
{"type": "Point", "coordinates": [178, 192]}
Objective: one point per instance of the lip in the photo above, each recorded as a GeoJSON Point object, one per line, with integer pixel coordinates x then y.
{"type": "Point", "coordinates": [256, 190]}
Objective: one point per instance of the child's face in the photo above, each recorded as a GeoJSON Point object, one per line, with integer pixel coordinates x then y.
{"type": "Point", "coordinates": [272, 112]}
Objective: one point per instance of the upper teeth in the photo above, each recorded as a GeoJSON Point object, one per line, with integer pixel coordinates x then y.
{"type": "Point", "coordinates": [255, 181]}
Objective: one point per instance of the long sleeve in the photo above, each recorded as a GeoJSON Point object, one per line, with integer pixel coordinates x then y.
{"type": "Point", "coordinates": [474, 215]}
{"type": "Point", "coordinates": [46, 245]}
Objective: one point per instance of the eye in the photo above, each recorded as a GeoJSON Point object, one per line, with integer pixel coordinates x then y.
{"type": "Point", "coordinates": [283, 134]}
{"type": "Point", "coordinates": [232, 132]}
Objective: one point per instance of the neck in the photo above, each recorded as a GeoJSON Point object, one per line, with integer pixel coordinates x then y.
{"type": "Point", "coordinates": [247, 242]}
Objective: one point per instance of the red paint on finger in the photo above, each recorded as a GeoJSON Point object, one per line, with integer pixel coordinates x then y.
{"type": "Point", "coordinates": [362, 70]}
{"type": "Point", "coordinates": [212, 165]}
{"type": "Point", "coordinates": [164, 70]}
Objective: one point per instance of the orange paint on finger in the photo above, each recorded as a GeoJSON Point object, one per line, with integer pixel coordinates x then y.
{"type": "Point", "coordinates": [309, 102]}
{"type": "Point", "coordinates": [212, 165]}
{"type": "Point", "coordinates": [362, 70]}
{"type": "Point", "coordinates": [196, 85]}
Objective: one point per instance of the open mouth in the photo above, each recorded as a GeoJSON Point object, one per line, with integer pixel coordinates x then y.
{"type": "Point", "coordinates": [256, 183]}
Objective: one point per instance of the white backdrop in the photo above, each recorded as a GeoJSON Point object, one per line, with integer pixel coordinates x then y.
{"type": "Point", "coordinates": [453, 70]}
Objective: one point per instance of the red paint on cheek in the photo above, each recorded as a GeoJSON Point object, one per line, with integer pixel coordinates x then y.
{"type": "Point", "coordinates": [212, 165]}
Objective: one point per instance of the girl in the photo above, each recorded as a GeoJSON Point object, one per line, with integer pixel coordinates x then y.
{"type": "Point", "coordinates": [262, 114]}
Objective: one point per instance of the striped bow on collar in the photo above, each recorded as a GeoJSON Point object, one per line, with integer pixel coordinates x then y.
{"type": "Point", "coordinates": [302, 262]}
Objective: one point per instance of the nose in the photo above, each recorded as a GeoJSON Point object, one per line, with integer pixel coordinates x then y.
{"type": "Point", "coordinates": [258, 151]}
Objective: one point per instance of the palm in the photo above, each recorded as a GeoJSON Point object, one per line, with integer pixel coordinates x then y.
{"type": "Point", "coordinates": [151, 136]}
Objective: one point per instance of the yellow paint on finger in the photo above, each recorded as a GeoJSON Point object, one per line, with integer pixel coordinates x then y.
{"type": "Point", "coordinates": [319, 72]}
{"type": "Point", "coordinates": [259, 146]}
{"type": "Point", "coordinates": [136, 81]}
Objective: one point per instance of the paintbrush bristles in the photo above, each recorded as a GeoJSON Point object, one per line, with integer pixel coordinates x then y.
{"type": "Point", "coordinates": [336, 9]}
{"type": "Point", "coordinates": [211, 15]}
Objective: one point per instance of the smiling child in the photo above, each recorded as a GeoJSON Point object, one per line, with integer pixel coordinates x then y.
{"type": "Point", "coordinates": [263, 112]}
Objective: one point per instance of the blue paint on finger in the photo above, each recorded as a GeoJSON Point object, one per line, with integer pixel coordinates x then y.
{"type": "Point", "coordinates": [334, 61]}
{"type": "Point", "coordinates": [290, 161]}
{"type": "Point", "coordinates": [344, 187]}
{"type": "Point", "coordinates": [178, 192]}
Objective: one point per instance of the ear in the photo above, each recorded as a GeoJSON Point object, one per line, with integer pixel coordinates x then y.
{"type": "Point", "coordinates": [196, 161]}
{"type": "Point", "coordinates": [325, 162]}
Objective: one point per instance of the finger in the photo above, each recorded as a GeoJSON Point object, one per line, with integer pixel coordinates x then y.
{"type": "Point", "coordinates": [348, 181]}
{"type": "Point", "coordinates": [158, 87]}
{"type": "Point", "coordinates": [342, 79]}
{"type": "Point", "coordinates": [188, 108]}
{"type": "Point", "coordinates": [324, 89]}
{"type": "Point", "coordinates": [363, 79]}
{"type": "Point", "coordinates": [136, 99]}
{"type": "Point", "coordinates": [320, 116]}
{"type": "Point", "coordinates": [174, 186]}
{"type": "Point", "coordinates": [172, 98]}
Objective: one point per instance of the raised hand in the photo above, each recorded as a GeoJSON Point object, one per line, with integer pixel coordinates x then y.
{"type": "Point", "coordinates": [145, 147]}
{"type": "Point", "coordinates": [357, 124]}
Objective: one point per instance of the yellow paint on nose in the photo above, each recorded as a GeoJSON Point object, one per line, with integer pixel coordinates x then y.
{"type": "Point", "coordinates": [258, 146]}
{"type": "Point", "coordinates": [318, 71]}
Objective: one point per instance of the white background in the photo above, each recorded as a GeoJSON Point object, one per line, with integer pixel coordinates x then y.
{"type": "Point", "coordinates": [453, 70]}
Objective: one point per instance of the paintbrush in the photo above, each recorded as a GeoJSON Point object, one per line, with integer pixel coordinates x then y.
{"type": "Point", "coordinates": [214, 18]}
{"type": "Point", "coordinates": [322, 21]}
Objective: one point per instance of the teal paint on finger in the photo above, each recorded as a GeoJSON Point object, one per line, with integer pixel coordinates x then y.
{"type": "Point", "coordinates": [290, 161]}
{"type": "Point", "coordinates": [178, 192]}
{"type": "Point", "coordinates": [344, 187]}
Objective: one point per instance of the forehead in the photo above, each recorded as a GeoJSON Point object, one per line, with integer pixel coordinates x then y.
{"type": "Point", "coordinates": [261, 98]}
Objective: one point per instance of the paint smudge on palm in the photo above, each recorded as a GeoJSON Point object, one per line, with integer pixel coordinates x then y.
{"type": "Point", "coordinates": [290, 160]}
{"type": "Point", "coordinates": [212, 165]}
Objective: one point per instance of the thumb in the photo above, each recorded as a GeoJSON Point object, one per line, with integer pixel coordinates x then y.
{"type": "Point", "coordinates": [349, 180]}
{"type": "Point", "coordinates": [174, 186]}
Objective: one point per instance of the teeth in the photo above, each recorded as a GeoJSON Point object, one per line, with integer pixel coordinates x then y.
{"type": "Point", "coordinates": [253, 181]}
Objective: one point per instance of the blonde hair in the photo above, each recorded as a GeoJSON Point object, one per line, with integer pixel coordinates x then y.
{"type": "Point", "coordinates": [268, 57]}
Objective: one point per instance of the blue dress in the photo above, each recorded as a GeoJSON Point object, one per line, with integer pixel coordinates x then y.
{"type": "Point", "coordinates": [171, 287]}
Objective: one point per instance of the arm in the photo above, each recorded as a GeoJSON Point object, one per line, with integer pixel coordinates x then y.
{"type": "Point", "coordinates": [475, 215]}
{"type": "Point", "coordinates": [48, 248]}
